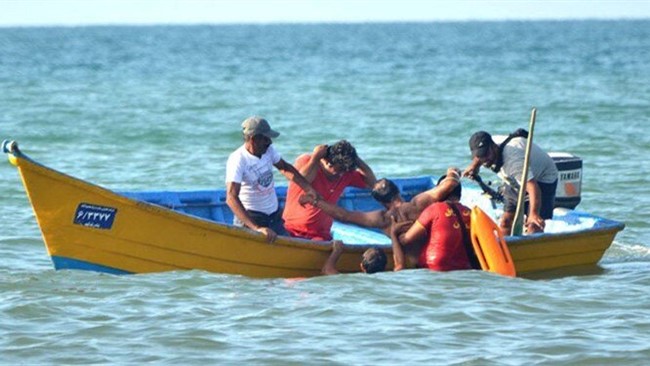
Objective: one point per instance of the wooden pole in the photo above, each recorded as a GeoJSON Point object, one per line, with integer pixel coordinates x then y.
{"type": "Point", "coordinates": [518, 224]}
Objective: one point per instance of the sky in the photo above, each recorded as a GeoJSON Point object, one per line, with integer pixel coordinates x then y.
{"type": "Point", "coordinates": [145, 12]}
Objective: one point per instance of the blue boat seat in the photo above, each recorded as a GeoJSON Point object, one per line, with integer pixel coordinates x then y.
{"type": "Point", "coordinates": [211, 204]}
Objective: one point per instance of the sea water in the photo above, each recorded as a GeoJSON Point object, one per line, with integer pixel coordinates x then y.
{"type": "Point", "coordinates": [160, 107]}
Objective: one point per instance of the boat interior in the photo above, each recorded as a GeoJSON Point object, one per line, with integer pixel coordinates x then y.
{"type": "Point", "coordinates": [211, 205]}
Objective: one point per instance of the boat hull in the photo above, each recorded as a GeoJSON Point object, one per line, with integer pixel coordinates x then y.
{"type": "Point", "coordinates": [550, 252]}
{"type": "Point", "coordinates": [85, 226]}
{"type": "Point", "coordinates": [146, 238]}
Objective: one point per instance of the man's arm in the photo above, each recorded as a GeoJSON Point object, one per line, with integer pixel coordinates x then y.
{"type": "Point", "coordinates": [290, 172]}
{"type": "Point", "coordinates": [438, 193]}
{"type": "Point", "coordinates": [373, 219]}
{"type": "Point", "coordinates": [329, 268]}
{"type": "Point", "coordinates": [367, 173]}
{"type": "Point", "coordinates": [310, 169]}
{"type": "Point", "coordinates": [233, 201]}
{"type": "Point", "coordinates": [473, 168]}
{"type": "Point", "coordinates": [414, 235]}
{"type": "Point", "coordinates": [535, 202]}
{"type": "Point", "coordinates": [398, 253]}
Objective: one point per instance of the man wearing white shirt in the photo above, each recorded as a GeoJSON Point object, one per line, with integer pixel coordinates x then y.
{"type": "Point", "coordinates": [249, 180]}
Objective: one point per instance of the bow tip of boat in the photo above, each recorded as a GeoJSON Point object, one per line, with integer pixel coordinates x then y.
{"type": "Point", "coordinates": [10, 147]}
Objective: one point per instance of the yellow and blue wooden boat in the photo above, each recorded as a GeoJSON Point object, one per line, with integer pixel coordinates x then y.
{"type": "Point", "coordinates": [85, 226]}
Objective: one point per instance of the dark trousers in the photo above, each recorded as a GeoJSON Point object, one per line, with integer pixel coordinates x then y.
{"type": "Point", "coordinates": [273, 221]}
{"type": "Point", "coordinates": [548, 199]}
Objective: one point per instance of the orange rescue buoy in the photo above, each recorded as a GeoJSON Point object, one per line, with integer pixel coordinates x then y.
{"type": "Point", "coordinates": [490, 245]}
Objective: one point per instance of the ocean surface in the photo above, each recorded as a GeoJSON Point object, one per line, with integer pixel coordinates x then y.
{"type": "Point", "coordinates": [160, 107]}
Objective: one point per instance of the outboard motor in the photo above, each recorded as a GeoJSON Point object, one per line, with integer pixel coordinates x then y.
{"type": "Point", "coordinates": [569, 183]}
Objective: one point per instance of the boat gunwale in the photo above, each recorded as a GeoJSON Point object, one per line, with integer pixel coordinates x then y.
{"type": "Point", "coordinates": [610, 226]}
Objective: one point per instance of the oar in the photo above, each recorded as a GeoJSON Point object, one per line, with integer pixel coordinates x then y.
{"type": "Point", "coordinates": [518, 225]}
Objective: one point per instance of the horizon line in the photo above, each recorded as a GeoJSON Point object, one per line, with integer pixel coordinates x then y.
{"type": "Point", "coordinates": [317, 22]}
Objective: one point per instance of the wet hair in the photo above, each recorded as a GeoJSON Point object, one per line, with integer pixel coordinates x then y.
{"type": "Point", "coordinates": [384, 191]}
{"type": "Point", "coordinates": [373, 260]}
{"type": "Point", "coordinates": [342, 154]}
{"type": "Point", "coordinates": [456, 192]}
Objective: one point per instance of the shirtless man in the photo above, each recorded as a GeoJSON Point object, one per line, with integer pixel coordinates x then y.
{"type": "Point", "coordinates": [387, 193]}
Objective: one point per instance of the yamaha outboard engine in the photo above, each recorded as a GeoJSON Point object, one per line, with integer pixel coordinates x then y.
{"type": "Point", "coordinates": [569, 185]}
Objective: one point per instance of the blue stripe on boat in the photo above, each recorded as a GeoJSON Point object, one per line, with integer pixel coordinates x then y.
{"type": "Point", "coordinates": [68, 263]}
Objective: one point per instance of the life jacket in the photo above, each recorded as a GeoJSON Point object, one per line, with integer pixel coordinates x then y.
{"type": "Point", "coordinates": [520, 132]}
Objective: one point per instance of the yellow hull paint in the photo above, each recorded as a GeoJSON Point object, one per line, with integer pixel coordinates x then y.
{"type": "Point", "coordinates": [548, 252]}
{"type": "Point", "coordinates": [148, 238]}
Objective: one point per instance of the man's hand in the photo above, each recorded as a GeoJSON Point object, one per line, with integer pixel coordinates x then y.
{"type": "Point", "coordinates": [320, 151]}
{"type": "Point", "coordinates": [454, 172]}
{"type": "Point", "coordinates": [311, 192]}
{"type": "Point", "coordinates": [397, 228]}
{"type": "Point", "coordinates": [535, 224]}
{"type": "Point", "coordinates": [472, 170]}
{"type": "Point", "coordinates": [329, 268]}
{"type": "Point", "coordinates": [308, 198]}
{"type": "Point", "coordinates": [268, 232]}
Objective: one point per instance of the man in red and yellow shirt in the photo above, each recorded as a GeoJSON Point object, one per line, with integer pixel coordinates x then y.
{"type": "Point", "coordinates": [329, 169]}
{"type": "Point", "coordinates": [440, 228]}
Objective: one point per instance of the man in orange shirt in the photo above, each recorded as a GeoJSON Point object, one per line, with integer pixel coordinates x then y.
{"type": "Point", "coordinates": [329, 169]}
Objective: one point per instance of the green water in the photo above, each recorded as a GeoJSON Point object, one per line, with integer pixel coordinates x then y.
{"type": "Point", "coordinates": [159, 108]}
